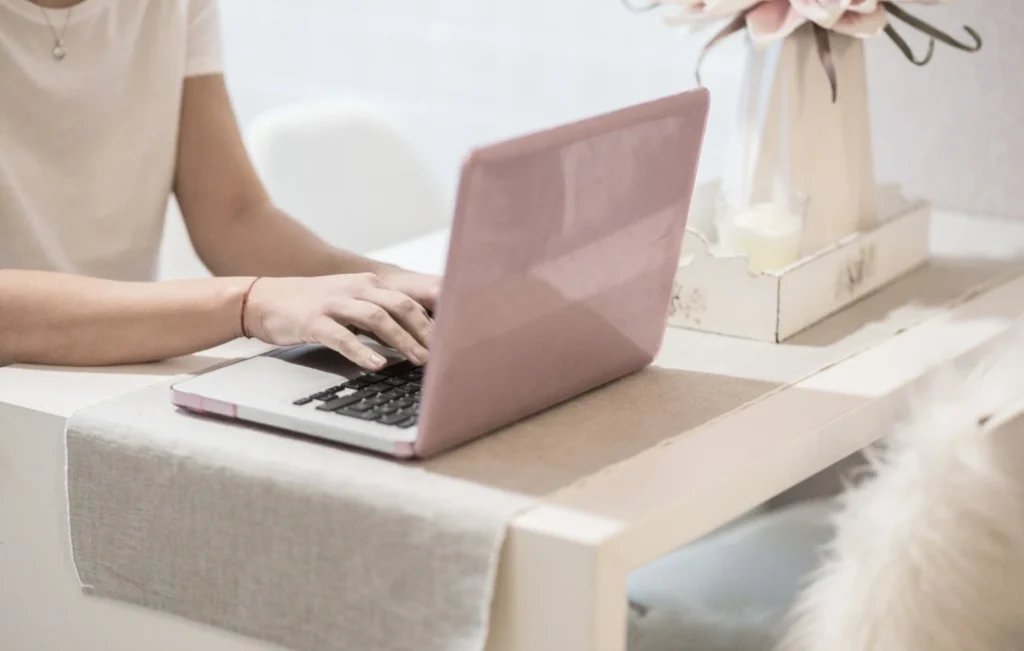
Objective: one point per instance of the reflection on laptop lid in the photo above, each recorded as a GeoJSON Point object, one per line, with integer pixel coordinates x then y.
{"type": "Point", "coordinates": [560, 270]}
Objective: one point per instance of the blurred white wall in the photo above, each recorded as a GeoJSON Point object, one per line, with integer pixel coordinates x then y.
{"type": "Point", "coordinates": [952, 130]}
{"type": "Point", "coordinates": [460, 72]}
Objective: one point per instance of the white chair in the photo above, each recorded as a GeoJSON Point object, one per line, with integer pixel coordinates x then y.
{"type": "Point", "coordinates": [349, 173]}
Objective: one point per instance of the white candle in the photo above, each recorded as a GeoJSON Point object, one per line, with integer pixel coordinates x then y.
{"type": "Point", "coordinates": [767, 234]}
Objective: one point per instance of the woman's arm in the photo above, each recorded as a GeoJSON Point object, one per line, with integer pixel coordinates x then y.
{"type": "Point", "coordinates": [233, 225]}
{"type": "Point", "coordinates": [52, 318]}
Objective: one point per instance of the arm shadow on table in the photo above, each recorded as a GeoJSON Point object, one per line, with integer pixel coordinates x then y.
{"type": "Point", "coordinates": [555, 448]}
{"type": "Point", "coordinates": [913, 298]}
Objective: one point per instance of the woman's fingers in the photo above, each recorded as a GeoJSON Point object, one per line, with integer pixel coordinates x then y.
{"type": "Point", "coordinates": [332, 334]}
{"type": "Point", "coordinates": [407, 312]}
{"type": "Point", "coordinates": [377, 320]}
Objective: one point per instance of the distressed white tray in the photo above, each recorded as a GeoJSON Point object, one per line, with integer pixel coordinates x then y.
{"type": "Point", "coordinates": [716, 293]}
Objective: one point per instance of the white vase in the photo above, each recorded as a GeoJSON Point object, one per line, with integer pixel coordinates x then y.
{"type": "Point", "coordinates": [794, 149]}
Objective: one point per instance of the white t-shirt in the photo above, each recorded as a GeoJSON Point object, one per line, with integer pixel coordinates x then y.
{"type": "Point", "coordinates": [88, 144]}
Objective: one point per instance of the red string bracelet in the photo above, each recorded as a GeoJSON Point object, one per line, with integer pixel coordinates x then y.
{"type": "Point", "coordinates": [245, 302]}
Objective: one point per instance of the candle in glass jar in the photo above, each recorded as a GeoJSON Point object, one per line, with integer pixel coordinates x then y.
{"type": "Point", "coordinates": [766, 233]}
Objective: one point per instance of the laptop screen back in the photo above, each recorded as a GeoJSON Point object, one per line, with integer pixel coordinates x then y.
{"type": "Point", "coordinates": [560, 269]}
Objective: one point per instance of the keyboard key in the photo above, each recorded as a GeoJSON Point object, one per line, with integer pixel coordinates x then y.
{"type": "Point", "coordinates": [372, 378]}
{"type": "Point", "coordinates": [391, 395]}
{"type": "Point", "coordinates": [338, 403]}
{"type": "Point", "coordinates": [361, 415]}
{"type": "Point", "coordinates": [393, 419]}
{"type": "Point", "coordinates": [303, 401]}
{"type": "Point", "coordinates": [360, 406]}
{"type": "Point", "coordinates": [395, 381]}
{"type": "Point", "coordinates": [399, 369]}
{"type": "Point", "coordinates": [407, 423]}
{"type": "Point", "coordinates": [409, 412]}
{"type": "Point", "coordinates": [388, 408]}
{"type": "Point", "coordinates": [379, 387]}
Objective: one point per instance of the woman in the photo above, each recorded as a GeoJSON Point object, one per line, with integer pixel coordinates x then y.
{"type": "Point", "coordinates": [106, 108]}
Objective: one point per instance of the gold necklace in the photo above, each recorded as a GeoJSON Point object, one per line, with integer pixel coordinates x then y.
{"type": "Point", "coordinates": [59, 51]}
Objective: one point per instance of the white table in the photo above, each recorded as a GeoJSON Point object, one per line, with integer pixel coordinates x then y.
{"type": "Point", "coordinates": [727, 425]}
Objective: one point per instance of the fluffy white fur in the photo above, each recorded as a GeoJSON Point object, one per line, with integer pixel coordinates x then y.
{"type": "Point", "coordinates": [929, 550]}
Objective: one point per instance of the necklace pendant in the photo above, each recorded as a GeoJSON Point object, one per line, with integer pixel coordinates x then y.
{"type": "Point", "coordinates": [59, 52]}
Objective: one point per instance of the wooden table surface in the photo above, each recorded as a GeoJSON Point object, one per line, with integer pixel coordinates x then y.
{"type": "Point", "coordinates": [621, 476]}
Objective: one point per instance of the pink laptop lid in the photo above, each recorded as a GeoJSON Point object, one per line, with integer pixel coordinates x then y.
{"type": "Point", "coordinates": [560, 268]}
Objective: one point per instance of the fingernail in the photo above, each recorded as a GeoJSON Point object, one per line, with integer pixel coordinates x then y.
{"type": "Point", "coordinates": [377, 361]}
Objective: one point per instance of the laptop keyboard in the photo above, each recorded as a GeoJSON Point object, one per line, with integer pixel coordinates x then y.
{"type": "Point", "coordinates": [389, 397]}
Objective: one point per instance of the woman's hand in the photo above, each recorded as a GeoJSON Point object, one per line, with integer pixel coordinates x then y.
{"type": "Point", "coordinates": [423, 288]}
{"type": "Point", "coordinates": [328, 309]}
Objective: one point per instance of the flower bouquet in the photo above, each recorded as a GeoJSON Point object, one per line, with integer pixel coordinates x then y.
{"type": "Point", "coordinates": [769, 21]}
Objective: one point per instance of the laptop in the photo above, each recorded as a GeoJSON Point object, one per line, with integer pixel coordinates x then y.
{"type": "Point", "coordinates": [561, 261]}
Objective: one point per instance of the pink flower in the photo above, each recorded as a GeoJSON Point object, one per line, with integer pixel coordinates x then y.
{"type": "Point", "coordinates": [774, 19]}
{"type": "Point", "coordinates": [771, 20]}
